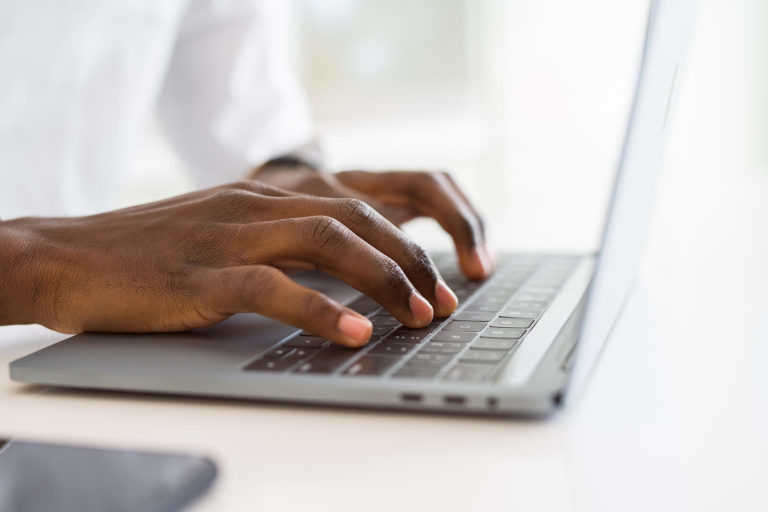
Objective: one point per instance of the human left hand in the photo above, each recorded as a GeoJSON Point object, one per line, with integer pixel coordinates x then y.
{"type": "Point", "coordinates": [400, 196]}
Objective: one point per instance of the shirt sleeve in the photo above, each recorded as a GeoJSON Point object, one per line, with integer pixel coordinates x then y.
{"type": "Point", "coordinates": [231, 98]}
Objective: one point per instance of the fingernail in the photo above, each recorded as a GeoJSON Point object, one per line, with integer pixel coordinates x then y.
{"type": "Point", "coordinates": [446, 299]}
{"type": "Point", "coordinates": [356, 328]}
{"type": "Point", "coordinates": [420, 308]}
{"type": "Point", "coordinates": [482, 259]}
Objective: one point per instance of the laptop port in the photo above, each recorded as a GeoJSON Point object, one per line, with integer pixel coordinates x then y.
{"type": "Point", "coordinates": [411, 397]}
{"type": "Point", "coordinates": [455, 399]}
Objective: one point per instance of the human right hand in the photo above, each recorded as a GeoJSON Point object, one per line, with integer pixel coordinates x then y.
{"type": "Point", "coordinates": [194, 260]}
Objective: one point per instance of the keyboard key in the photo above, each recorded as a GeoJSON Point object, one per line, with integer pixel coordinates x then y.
{"type": "Point", "coordinates": [469, 372]}
{"type": "Point", "coordinates": [306, 342]}
{"type": "Point", "coordinates": [512, 322]}
{"type": "Point", "coordinates": [381, 330]}
{"type": "Point", "coordinates": [502, 289]}
{"type": "Point", "coordinates": [463, 290]}
{"type": "Point", "coordinates": [493, 344]}
{"type": "Point", "coordinates": [532, 297]}
{"type": "Point", "coordinates": [441, 347]}
{"type": "Point", "coordinates": [502, 332]}
{"type": "Point", "coordinates": [532, 306]}
{"type": "Point", "coordinates": [475, 316]}
{"type": "Point", "coordinates": [416, 373]}
{"type": "Point", "coordinates": [364, 305]}
{"type": "Point", "coordinates": [482, 356]}
{"type": "Point", "coordinates": [327, 360]}
{"type": "Point", "coordinates": [277, 353]}
{"type": "Point", "coordinates": [413, 363]}
{"type": "Point", "coordinates": [544, 290]}
{"type": "Point", "coordinates": [432, 327]}
{"type": "Point", "coordinates": [540, 281]}
{"type": "Point", "coordinates": [495, 296]}
{"type": "Point", "coordinates": [406, 337]}
{"type": "Point", "coordinates": [394, 349]}
{"type": "Point", "coordinates": [457, 336]}
{"type": "Point", "coordinates": [369, 364]}
{"type": "Point", "coordinates": [269, 365]}
{"type": "Point", "coordinates": [519, 313]}
{"type": "Point", "coordinates": [430, 357]}
{"type": "Point", "coordinates": [300, 354]}
{"type": "Point", "coordinates": [466, 326]}
{"type": "Point", "coordinates": [492, 307]}
{"type": "Point", "coordinates": [384, 320]}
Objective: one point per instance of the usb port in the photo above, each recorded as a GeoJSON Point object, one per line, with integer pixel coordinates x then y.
{"type": "Point", "coordinates": [411, 397]}
{"type": "Point", "coordinates": [455, 400]}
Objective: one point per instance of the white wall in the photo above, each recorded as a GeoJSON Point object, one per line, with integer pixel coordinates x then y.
{"type": "Point", "coordinates": [528, 115]}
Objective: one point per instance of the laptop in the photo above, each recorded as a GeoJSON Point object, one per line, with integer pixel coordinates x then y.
{"type": "Point", "coordinates": [520, 343]}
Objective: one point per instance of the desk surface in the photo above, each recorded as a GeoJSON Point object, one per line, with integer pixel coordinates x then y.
{"type": "Point", "coordinates": [674, 418]}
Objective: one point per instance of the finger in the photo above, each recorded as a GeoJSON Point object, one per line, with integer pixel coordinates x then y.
{"type": "Point", "coordinates": [486, 257]}
{"type": "Point", "coordinates": [266, 290]}
{"type": "Point", "coordinates": [257, 187]}
{"type": "Point", "coordinates": [435, 196]}
{"type": "Point", "coordinates": [337, 250]}
{"type": "Point", "coordinates": [377, 231]}
{"type": "Point", "coordinates": [326, 185]}
{"type": "Point", "coordinates": [467, 202]}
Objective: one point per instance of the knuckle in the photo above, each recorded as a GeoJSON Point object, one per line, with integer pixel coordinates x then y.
{"type": "Point", "coordinates": [232, 199]}
{"type": "Point", "coordinates": [244, 185]}
{"type": "Point", "coordinates": [420, 258]}
{"type": "Point", "coordinates": [253, 187]}
{"type": "Point", "coordinates": [420, 263]}
{"type": "Point", "coordinates": [231, 204]}
{"type": "Point", "coordinates": [393, 279]}
{"type": "Point", "coordinates": [323, 231]}
{"type": "Point", "coordinates": [355, 211]}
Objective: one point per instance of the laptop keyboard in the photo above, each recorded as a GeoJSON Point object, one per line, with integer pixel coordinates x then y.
{"type": "Point", "coordinates": [473, 344]}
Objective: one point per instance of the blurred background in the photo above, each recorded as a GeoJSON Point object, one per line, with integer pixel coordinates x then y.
{"type": "Point", "coordinates": [524, 101]}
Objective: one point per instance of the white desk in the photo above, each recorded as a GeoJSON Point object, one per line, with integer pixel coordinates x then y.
{"type": "Point", "coordinates": [675, 417]}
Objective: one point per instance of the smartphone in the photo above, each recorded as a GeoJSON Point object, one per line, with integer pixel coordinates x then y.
{"type": "Point", "coordinates": [41, 477]}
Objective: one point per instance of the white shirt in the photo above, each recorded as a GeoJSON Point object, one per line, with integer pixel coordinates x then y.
{"type": "Point", "coordinates": [80, 79]}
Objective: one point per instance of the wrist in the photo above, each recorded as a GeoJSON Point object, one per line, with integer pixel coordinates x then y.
{"type": "Point", "coordinates": [26, 274]}
{"type": "Point", "coordinates": [287, 173]}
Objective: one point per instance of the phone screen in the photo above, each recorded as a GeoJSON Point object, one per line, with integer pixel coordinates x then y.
{"type": "Point", "coordinates": [62, 478]}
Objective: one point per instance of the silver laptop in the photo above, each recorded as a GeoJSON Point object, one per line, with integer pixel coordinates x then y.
{"type": "Point", "coordinates": [519, 343]}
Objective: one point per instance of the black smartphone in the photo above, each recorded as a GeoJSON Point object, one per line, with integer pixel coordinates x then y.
{"type": "Point", "coordinates": [41, 477]}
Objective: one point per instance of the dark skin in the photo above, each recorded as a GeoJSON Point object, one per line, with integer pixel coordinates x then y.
{"type": "Point", "coordinates": [194, 260]}
{"type": "Point", "coordinates": [400, 196]}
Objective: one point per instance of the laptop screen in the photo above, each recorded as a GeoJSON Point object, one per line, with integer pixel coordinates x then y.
{"type": "Point", "coordinates": [669, 25]}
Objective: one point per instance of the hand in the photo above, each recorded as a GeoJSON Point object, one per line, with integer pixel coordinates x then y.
{"type": "Point", "coordinates": [194, 260]}
{"type": "Point", "coordinates": [400, 196]}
